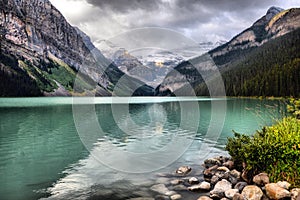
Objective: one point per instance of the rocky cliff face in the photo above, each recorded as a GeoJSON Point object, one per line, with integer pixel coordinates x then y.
{"type": "Point", "coordinates": [42, 51]}
{"type": "Point", "coordinates": [39, 29]}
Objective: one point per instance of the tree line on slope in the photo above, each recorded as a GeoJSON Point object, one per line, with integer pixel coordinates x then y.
{"type": "Point", "coordinates": [272, 69]}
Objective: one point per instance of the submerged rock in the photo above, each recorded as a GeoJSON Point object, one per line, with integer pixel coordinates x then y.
{"type": "Point", "coordinates": [175, 197]}
{"type": "Point", "coordinates": [176, 182]}
{"type": "Point", "coordinates": [179, 188]}
{"type": "Point", "coordinates": [193, 180]}
{"type": "Point", "coordinates": [162, 189]}
{"type": "Point", "coordinates": [202, 186]}
{"type": "Point", "coordinates": [183, 170]}
{"type": "Point", "coordinates": [252, 192]}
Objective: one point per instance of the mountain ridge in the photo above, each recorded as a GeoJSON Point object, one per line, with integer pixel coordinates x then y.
{"type": "Point", "coordinates": [41, 49]}
{"type": "Point", "coordinates": [238, 49]}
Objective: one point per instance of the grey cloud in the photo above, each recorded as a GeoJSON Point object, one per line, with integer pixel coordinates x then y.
{"type": "Point", "coordinates": [126, 5]}
{"type": "Point", "coordinates": [199, 19]}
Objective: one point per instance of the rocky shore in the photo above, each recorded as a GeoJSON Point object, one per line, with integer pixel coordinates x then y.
{"type": "Point", "coordinates": [219, 180]}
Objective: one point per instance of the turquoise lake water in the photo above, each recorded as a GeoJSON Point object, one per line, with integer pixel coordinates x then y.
{"type": "Point", "coordinates": [64, 148]}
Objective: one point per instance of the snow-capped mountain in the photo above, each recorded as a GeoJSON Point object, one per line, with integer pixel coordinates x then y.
{"type": "Point", "coordinates": [149, 64]}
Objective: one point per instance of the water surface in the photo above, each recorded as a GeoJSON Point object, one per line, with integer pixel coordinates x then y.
{"type": "Point", "coordinates": [42, 154]}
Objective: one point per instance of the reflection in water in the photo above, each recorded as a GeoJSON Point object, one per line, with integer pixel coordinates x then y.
{"type": "Point", "coordinates": [39, 146]}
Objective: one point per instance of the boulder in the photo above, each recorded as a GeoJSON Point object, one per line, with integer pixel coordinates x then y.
{"type": "Point", "coordinates": [284, 184]}
{"type": "Point", "coordinates": [183, 170]}
{"type": "Point", "coordinates": [244, 176]}
{"type": "Point", "coordinates": [193, 180]}
{"type": "Point", "coordinates": [252, 192]}
{"type": "Point", "coordinates": [234, 176]}
{"type": "Point", "coordinates": [204, 198]}
{"type": "Point", "coordinates": [223, 169]}
{"type": "Point", "coordinates": [202, 186]}
{"type": "Point", "coordinates": [212, 161]}
{"type": "Point", "coordinates": [261, 179]}
{"type": "Point", "coordinates": [295, 194]}
{"type": "Point", "coordinates": [230, 193]}
{"type": "Point", "coordinates": [214, 179]}
{"type": "Point", "coordinates": [240, 186]}
{"type": "Point", "coordinates": [235, 173]}
{"type": "Point", "coordinates": [274, 191]}
{"type": "Point", "coordinates": [238, 196]}
{"type": "Point", "coordinates": [210, 171]}
{"type": "Point", "coordinates": [229, 164]}
{"type": "Point", "coordinates": [220, 188]}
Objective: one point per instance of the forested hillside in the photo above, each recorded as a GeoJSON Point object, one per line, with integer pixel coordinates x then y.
{"type": "Point", "coordinates": [273, 69]}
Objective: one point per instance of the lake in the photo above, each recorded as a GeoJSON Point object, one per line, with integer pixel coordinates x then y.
{"type": "Point", "coordinates": [65, 148]}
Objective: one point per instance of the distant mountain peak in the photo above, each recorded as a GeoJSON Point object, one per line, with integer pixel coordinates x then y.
{"type": "Point", "coordinates": [272, 11]}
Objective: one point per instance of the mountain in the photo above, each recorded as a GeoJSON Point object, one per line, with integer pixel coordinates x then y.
{"type": "Point", "coordinates": [42, 54]}
{"type": "Point", "coordinates": [277, 22]}
{"type": "Point", "coordinates": [150, 65]}
{"type": "Point", "coordinates": [268, 51]}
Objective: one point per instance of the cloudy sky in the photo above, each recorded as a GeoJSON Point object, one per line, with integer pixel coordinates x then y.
{"type": "Point", "coordinates": [200, 20]}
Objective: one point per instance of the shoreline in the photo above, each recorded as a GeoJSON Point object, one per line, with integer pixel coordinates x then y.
{"type": "Point", "coordinates": [219, 180]}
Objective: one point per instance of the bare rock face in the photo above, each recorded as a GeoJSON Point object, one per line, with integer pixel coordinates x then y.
{"type": "Point", "coordinates": [41, 30]}
{"type": "Point", "coordinates": [44, 52]}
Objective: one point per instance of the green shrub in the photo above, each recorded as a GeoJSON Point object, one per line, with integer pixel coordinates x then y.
{"type": "Point", "coordinates": [274, 149]}
{"type": "Point", "coordinates": [294, 107]}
